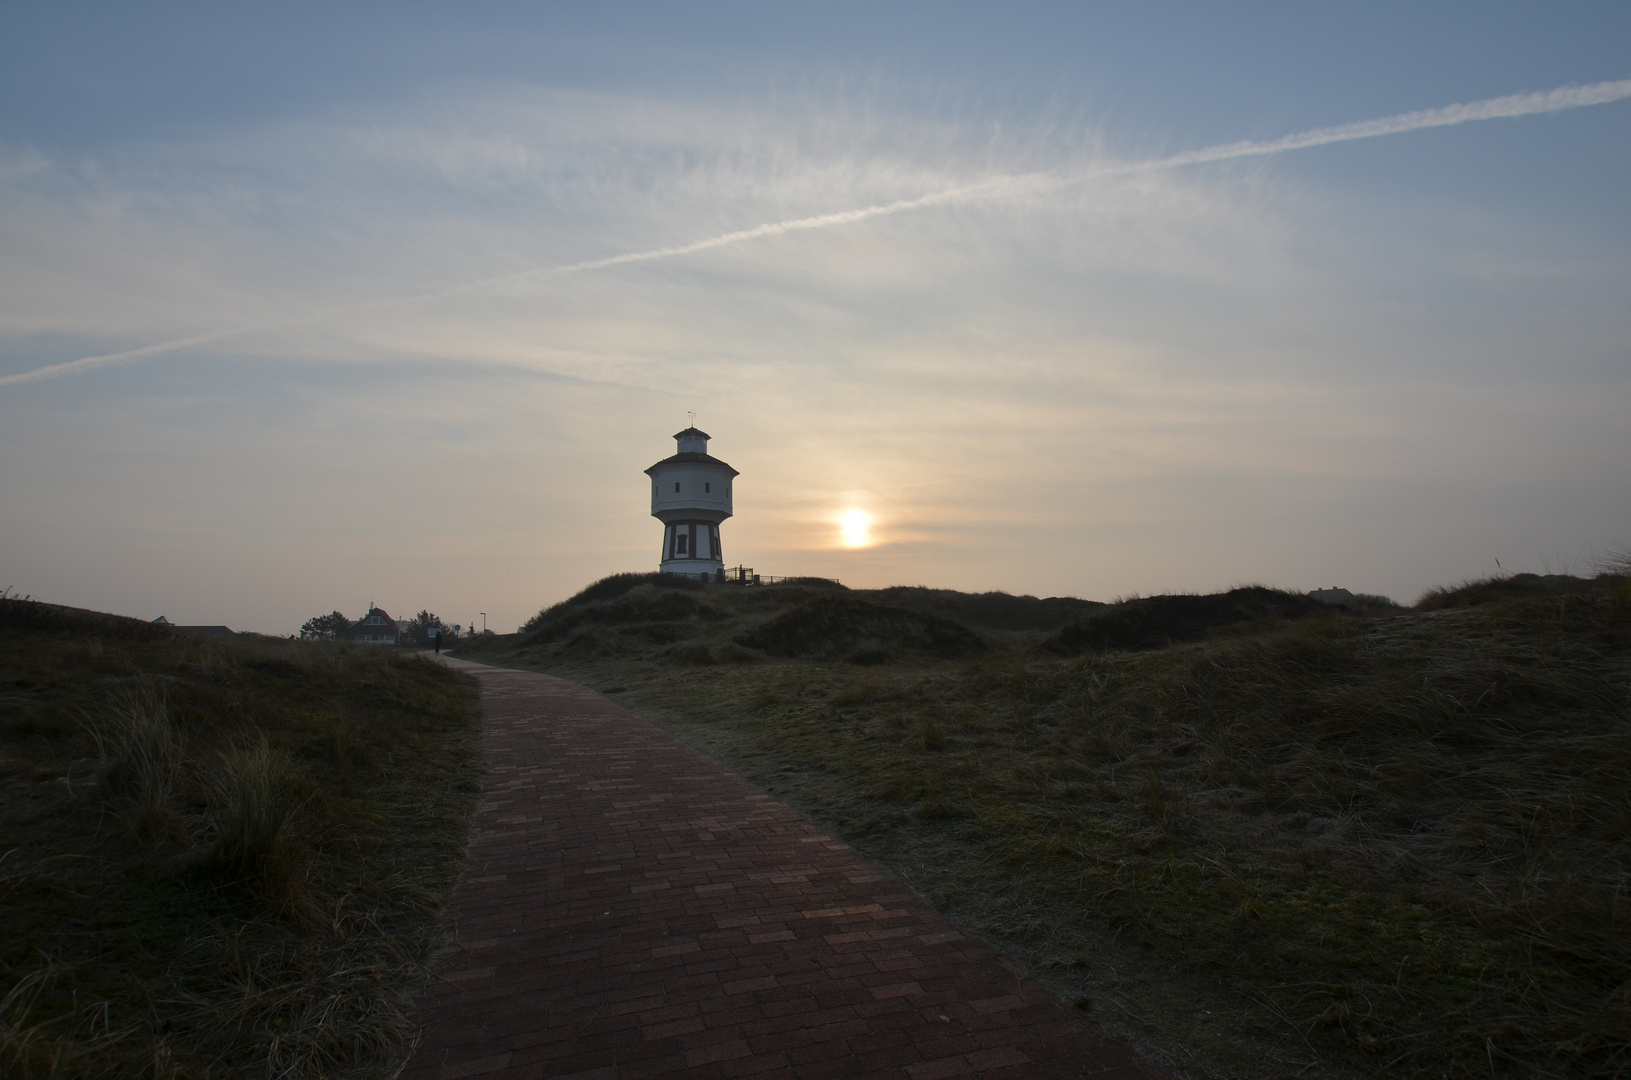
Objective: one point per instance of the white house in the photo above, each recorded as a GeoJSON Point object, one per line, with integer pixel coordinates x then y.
{"type": "Point", "coordinates": [691, 495]}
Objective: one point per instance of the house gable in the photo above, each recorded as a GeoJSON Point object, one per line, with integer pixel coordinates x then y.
{"type": "Point", "coordinates": [375, 628]}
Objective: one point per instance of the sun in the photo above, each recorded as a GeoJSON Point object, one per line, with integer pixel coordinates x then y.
{"type": "Point", "coordinates": [856, 527]}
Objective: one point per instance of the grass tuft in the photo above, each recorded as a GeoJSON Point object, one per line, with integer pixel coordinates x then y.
{"type": "Point", "coordinates": [257, 796]}
{"type": "Point", "coordinates": [140, 756]}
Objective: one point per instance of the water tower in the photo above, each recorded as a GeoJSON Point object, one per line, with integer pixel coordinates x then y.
{"type": "Point", "coordinates": [691, 495]}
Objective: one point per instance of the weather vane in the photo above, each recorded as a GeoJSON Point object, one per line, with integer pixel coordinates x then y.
{"type": "Point", "coordinates": [693, 417]}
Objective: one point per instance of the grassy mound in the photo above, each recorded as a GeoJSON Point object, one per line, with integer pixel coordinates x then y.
{"type": "Point", "coordinates": [608, 588]}
{"type": "Point", "coordinates": [842, 627]}
{"type": "Point", "coordinates": [680, 620]}
{"type": "Point", "coordinates": [1306, 842]}
{"type": "Point", "coordinates": [656, 614]}
{"type": "Point", "coordinates": [1154, 622]}
{"type": "Point", "coordinates": [991, 610]}
{"type": "Point", "coordinates": [222, 856]}
{"type": "Point", "coordinates": [1500, 589]}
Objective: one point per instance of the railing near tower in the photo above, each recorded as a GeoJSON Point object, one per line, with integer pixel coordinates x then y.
{"type": "Point", "coordinates": [744, 575]}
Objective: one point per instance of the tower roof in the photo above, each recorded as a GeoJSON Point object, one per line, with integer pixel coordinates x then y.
{"type": "Point", "coordinates": [695, 459]}
{"type": "Point", "coordinates": [693, 450]}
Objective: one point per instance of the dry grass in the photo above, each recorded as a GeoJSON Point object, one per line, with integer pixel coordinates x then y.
{"type": "Point", "coordinates": [1349, 844]}
{"type": "Point", "coordinates": [221, 857]}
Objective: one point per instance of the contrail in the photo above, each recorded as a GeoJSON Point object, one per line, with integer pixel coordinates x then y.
{"type": "Point", "coordinates": [129, 356]}
{"type": "Point", "coordinates": [774, 228]}
{"type": "Point", "coordinates": [1541, 101]}
{"type": "Point", "coordinates": [1512, 105]}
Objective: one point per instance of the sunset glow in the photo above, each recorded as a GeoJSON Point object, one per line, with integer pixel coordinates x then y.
{"type": "Point", "coordinates": [856, 527]}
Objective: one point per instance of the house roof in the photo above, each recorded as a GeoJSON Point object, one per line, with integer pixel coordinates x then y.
{"type": "Point", "coordinates": [381, 612]}
{"type": "Point", "coordinates": [694, 459]}
{"type": "Point", "coordinates": [693, 432]}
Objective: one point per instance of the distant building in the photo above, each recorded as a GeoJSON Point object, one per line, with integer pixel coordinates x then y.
{"type": "Point", "coordinates": [691, 495]}
{"type": "Point", "coordinates": [214, 631]}
{"type": "Point", "coordinates": [1333, 596]}
{"type": "Point", "coordinates": [374, 628]}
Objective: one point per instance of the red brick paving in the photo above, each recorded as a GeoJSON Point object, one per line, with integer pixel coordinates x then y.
{"type": "Point", "coordinates": [631, 909]}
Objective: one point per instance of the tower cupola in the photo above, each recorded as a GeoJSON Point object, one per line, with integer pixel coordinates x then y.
{"type": "Point", "coordinates": [691, 495]}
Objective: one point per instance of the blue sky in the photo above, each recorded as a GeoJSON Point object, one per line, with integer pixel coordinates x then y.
{"type": "Point", "coordinates": [1381, 362]}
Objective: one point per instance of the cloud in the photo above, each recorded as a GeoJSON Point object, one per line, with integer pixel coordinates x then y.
{"type": "Point", "coordinates": [459, 160]}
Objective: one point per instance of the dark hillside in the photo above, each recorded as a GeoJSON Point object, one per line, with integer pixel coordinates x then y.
{"type": "Point", "coordinates": [845, 628]}
{"type": "Point", "coordinates": [222, 856]}
{"type": "Point", "coordinates": [632, 612]}
{"type": "Point", "coordinates": [607, 588]}
{"type": "Point", "coordinates": [996, 610]}
{"type": "Point", "coordinates": [680, 620]}
{"type": "Point", "coordinates": [1154, 622]}
{"type": "Point", "coordinates": [1504, 589]}
{"type": "Point", "coordinates": [39, 621]}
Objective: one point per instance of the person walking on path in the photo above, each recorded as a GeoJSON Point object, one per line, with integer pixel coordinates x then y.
{"type": "Point", "coordinates": [436, 636]}
{"type": "Point", "coordinates": [631, 909]}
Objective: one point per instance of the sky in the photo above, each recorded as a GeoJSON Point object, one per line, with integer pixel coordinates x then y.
{"type": "Point", "coordinates": [307, 307]}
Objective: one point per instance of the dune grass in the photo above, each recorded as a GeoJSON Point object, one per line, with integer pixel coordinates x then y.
{"type": "Point", "coordinates": [1331, 843]}
{"type": "Point", "coordinates": [221, 857]}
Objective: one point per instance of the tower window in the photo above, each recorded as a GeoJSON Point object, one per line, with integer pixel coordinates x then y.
{"type": "Point", "coordinates": [707, 488]}
{"type": "Point", "coordinates": [676, 485]}
{"type": "Point", "coordinates": [681, 544]}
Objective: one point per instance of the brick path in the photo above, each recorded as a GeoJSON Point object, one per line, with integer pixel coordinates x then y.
{"type": "Point", "coordinates": [631, 909]}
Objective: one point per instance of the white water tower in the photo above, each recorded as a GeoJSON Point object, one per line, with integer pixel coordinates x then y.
{"type": "Point", "coordinates": [691, 495]}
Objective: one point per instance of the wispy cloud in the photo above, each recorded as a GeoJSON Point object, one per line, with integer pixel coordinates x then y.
{"type": "Point", "coordinates": [1000, 188]}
